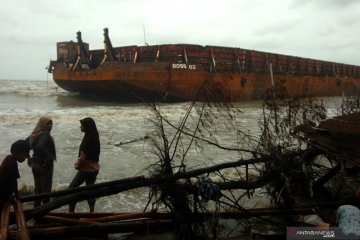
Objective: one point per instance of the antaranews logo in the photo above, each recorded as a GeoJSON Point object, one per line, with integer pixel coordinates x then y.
{"type": "Point", "coordinates": [307, 233]}
{"type": "Point", "coordinates": [291, 233]}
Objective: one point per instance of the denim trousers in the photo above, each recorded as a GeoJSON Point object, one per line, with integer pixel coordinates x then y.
{"type": "Point", "coordinates": [87, 177]}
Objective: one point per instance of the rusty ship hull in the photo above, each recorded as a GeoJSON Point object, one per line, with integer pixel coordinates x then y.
{"type": "Point", "coordinates": [185, 72]}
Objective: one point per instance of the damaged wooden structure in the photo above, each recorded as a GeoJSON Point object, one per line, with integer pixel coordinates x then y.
{"type": "Point", "coordinates": [338, 139]}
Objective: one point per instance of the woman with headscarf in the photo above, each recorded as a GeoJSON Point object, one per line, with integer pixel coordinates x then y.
{"type": "Point", "coordinates": [87, 163]}
{"type": "Point", "coordinates": [44, 155]}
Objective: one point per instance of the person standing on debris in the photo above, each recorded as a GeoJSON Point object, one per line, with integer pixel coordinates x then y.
{"type": "Point", "coordinates": [87, 163]}
{"type": "Point", "coordinates": [9, 172]}
{"type": "Point", "coordinates": [44, 155]}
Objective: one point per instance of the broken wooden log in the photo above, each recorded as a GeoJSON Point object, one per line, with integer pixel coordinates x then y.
{"type": "Point", "coordinates": [234, 214]}
{"type": "Point", "coordinates": [79, 189]}
{"type": "Point", "coordinates": [121, 217]}
{"type": "Point", "coordinates": [98, 229]}
{"type": "Point", "coordinates": [130, 180]}
{"type": "Point", "coordinates": [67, 221]}
{"type": "Point", "coordinates": [78, 215]}
{"type": "Point", "coordinates": [103, 189]}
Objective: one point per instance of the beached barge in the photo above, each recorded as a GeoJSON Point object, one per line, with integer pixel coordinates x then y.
{"type": "Point", "coordinates": [184, 72]}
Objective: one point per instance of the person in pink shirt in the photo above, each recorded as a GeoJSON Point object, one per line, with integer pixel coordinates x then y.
{"type": "Point", "coordinates": [87, 164]}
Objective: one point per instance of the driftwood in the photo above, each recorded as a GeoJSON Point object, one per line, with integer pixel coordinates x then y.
{"type": "Point", "coordinates": [115, 187]}
{"type": "Point", "coordinates": [99, 229]}
{"type": "Point", "coordinates": [66, 221]}
{"type": "Point", "coordinates": [149, 221]}
{"type": "Point", "coordinates": [85, 214]}
{"type": "Point", "coordinates": [79, 189]}
{"type": "Point", "coordinates": [234, 214]}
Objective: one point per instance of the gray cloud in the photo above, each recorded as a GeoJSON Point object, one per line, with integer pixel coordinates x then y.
{"type": "Point", "coordinates": [326, 29]}
{"type": "Point", "coordinates": [324, 4]}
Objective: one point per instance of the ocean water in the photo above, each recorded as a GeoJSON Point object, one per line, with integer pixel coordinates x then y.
{"type": "Point", "coordinates": [22, 103]}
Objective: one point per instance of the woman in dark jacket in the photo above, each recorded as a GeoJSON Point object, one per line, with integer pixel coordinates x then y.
{"type": "Point", "coordinates": [44, 155]}
{"type": "Point", "coordinates": [87, 163]}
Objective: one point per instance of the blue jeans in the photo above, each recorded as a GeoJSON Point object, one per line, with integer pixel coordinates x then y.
{"type": "Point", "coordinates": [87, 177]}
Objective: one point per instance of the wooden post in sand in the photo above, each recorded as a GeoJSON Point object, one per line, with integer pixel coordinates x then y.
{"type": "Point", "coordinates": [5, 219]}
{"type": "Point", "coordinates": [22, 231]}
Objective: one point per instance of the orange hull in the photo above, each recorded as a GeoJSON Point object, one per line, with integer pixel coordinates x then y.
{"type": "Point", "coordinates": [182, 72]}
{"type": "Point", "coordinates": [133, 83]}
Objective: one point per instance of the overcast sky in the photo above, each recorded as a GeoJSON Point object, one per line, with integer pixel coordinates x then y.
{"type": "Point", "coordinates": [320, 29]}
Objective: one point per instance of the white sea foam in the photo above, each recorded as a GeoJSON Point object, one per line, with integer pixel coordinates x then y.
{"type": "Point", "coordinates": [30, 88]}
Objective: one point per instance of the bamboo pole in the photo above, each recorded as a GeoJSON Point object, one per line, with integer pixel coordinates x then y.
{"type": "Point", "coordinates": [5, 214]}
{"type": "Point", "coordinates": [22, 231]}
